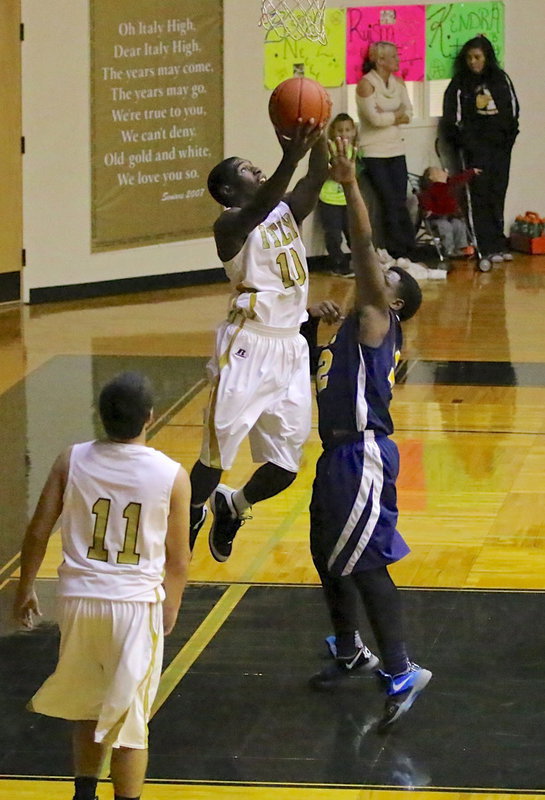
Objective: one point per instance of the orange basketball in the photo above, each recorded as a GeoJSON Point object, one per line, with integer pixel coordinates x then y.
{"type": "Point", "coordinates": [298, 98]}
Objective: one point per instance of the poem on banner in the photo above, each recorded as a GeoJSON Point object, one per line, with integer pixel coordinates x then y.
{"type": "Point", "coordinates": [157, 123]}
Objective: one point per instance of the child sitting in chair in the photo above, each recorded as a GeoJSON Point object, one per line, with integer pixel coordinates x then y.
{"type": "Point", "coordinates": [441, 208]}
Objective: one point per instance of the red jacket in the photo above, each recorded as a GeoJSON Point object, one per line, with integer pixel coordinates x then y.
{"type": "Point", "coordinates": [441, 199]}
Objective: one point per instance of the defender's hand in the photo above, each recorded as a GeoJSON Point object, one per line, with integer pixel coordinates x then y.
{"type": "Point", "coordinates": [327, 310]}
{"type": "Point", "coordinates": [343, 160]}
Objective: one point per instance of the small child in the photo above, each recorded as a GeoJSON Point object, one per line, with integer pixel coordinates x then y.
{"type": "Point", "coordinates": [439, 202]}
{"type": "Point", "coordinates": [332, 205]}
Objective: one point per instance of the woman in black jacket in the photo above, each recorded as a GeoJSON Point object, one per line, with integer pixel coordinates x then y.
{"type": "Point", "coordinates": [480, 119]}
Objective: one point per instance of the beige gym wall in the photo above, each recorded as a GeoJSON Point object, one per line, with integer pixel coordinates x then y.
{"type": "Point", "coordinates": [11, 234]}
{"type": "Point", "coordinates": [56, 124]}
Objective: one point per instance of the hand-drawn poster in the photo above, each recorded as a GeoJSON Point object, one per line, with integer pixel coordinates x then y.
{"type": "Point", "coordinates": [156, 119]}
{"type": "Point", "coordinates": [450, 25]}
{"type": "Point", "coordinates": [404, 26]}
{"type": "Point", "coordinates": [323, 62]}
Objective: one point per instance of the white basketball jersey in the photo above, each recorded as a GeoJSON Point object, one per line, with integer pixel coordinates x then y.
{"type": "Point", "coordinates": [114, 521]}
{"type": "Point", "coordinates": [269, 276]}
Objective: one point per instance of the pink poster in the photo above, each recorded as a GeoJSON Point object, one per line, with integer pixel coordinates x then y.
{"type": "Point", "coordinates": [405, 26]}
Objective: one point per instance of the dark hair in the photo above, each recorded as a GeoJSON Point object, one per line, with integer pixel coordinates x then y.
{"type": "Point", "coordinates": [220, 175]}
{"type": "Point", "coordinates": [342, 117]}
{"type": "Point", "coordinates": [410, 292]}
{"type": "Point", "coordinates": [491, 66]}
{"type": "Point", "coordinates": [125, 404]}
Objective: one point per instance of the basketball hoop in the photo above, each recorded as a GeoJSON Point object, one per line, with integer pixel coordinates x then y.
{"type": "Point", "coordinates": [295, 19]}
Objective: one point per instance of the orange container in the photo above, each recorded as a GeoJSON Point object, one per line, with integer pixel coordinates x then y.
{"type": "Point", "coordinates": [524, 244]}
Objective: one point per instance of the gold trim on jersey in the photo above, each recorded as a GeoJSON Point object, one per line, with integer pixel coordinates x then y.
{"type": "Point", "coordinates": [214, 455]}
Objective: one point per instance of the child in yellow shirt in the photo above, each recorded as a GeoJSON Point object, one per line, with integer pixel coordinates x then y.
{"type": "Point", "coordinates": [332, 206]}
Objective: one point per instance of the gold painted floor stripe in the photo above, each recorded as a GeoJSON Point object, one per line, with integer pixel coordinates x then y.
{"type": "Point", "coordinates": [187, 656]}
{"type": "Point", "coordinates": [264, 553]}
{"type": "Point", "coordinates": [197, 643]}
{"type": "Point", "coordinates": [6, 567]}
{"type": "Point", "coordinates": [37, 789]}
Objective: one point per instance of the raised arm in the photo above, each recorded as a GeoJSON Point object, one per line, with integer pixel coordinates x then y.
{"type": "Point", "coordinates": [372, 299]}
{"type": "Point", "coordinates": [47, 512]}
{"type": "Point", "coordinates": [235, 224]}
{"type": "Point", "coordinates": [178, 554]}
{"type": "Point", "coordinates": [304, 196]}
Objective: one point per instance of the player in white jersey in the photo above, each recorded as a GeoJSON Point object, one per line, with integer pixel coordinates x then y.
{"type": "Point", "coordinates": [260, 371]}
{"type": "Point", "coordinates": [124, 512]}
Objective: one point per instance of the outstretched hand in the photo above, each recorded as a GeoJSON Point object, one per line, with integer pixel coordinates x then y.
{"type": "Point", "coordinates": [305, 137]}
{"type": "Point", "coordinates": [343, 160]}
{"type": "Point", "coordinates": [327, 310]}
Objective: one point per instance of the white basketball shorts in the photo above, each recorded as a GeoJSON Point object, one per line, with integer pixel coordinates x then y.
{"type": "Point", "coordinates": [260, 380]}
{"type": "Point", "coordinates": [109, 668]}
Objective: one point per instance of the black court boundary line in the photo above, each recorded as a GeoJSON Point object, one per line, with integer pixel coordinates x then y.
{"type": "Point", "coordinates": [406, 367]}
{"type": "Point", "coordinates": [281, 585]}
{"type": "Point", "coordinates": [284, 585]}
{"type": "Point", "coordinates": [468, 431]}
{"type": "Point", "coordinates": [165, 418]}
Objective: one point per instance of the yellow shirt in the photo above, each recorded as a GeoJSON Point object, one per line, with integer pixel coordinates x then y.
{"type": "Point", "coordinates": [332, 193]}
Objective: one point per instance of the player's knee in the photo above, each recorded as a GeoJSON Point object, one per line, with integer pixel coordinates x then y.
{"type": "Point", "coordinates": [282, 477]}
{"type": "Point", "coordinates": [269, 480]}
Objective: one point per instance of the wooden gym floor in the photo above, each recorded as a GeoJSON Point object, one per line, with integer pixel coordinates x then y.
{"type": "Point", "coordinates": [234, 717]}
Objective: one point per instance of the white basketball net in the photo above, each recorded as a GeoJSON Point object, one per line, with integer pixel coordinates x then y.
{"type": "Point", "coordinates": [295, 19]}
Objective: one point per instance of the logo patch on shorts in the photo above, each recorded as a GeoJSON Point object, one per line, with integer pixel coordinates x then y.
{"type": "Point", "coordinates": [241, 353]}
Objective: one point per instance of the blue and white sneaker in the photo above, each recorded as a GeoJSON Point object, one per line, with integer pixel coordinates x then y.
{"type": "Point", "coordinates": [401, 692]}
{"type": "Point", "coordinates": [363, 662]}
{"type": "Point", "coordinates": [331, 643]}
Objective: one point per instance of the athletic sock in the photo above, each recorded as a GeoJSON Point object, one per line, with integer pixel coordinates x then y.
{"type": "Point", "coordinates": [195, 510]}
{"type": "Point", "coordinates": [396, 663]}
{"type": "Point", "coordinates": [239, 501]}
{"type": "Point", "coordinates": [346, 645]}
{"type": "Point", "coordinates": [85, 788]}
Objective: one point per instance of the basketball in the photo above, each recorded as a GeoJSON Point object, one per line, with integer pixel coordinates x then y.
{"type": "Point", "coordinates": [298, 98]}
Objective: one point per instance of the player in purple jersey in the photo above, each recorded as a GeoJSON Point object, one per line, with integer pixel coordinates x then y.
{"type": "Point", "coordinates": [353, 509]}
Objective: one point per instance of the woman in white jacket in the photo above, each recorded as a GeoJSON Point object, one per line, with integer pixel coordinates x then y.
{"type": "Point", "coordinates": [383, 106]}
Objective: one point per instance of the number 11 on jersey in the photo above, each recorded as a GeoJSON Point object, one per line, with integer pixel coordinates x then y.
{"type": "Point", "coordinates": [98, 550]}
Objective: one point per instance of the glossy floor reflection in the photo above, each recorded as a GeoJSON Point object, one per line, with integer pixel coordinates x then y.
{"type": "Point", "coordinates": [468, 730]}
{"type": "Point", "coordinates": [234, 717]}
{"type": "Point", "coordinates": [244, 713]}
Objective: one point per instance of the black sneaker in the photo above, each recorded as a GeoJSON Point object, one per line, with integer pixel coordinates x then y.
{"type": "Point", "coordinates": [226, 523]}
{"type": "Point", "coordinates": [363, 663]}
{"type": "Point", "coordinates": [401, 692]}
{"type": "Point", "coordinates": [197, 517]}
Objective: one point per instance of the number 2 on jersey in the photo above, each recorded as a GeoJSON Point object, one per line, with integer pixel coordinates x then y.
{"type": "Point", "coordinates": [98, 551]}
